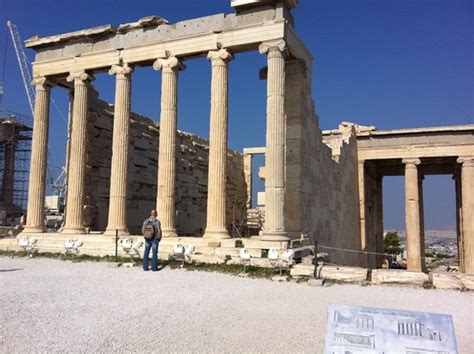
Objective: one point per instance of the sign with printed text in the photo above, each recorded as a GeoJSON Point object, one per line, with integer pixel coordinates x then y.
{"type": "Point", "coordinates": [352, 329]}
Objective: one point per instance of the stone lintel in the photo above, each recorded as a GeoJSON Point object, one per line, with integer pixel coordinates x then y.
{"type": "Point", "coordinates": [237, 39]}
{"type": "Point", "coordinates": [254, 151]}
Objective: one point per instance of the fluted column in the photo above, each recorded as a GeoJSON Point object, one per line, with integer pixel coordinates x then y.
{"type": "Point", "coordinates": [216, 196]}
{"type": "Point", "coordinates": [165, 204]}
{"type": "Point", "coordinates": [119, 168]}
{"type": "Point", "coordinates": [467, 205]}
{"type": "Point", "coordinates": [412, 216]}
{"type": "Point", "coordinates": [39, 153]}
{"type": "Point", "coordinates": [77, 160]}
{"type": "Point", "coordinates": [275, 142]}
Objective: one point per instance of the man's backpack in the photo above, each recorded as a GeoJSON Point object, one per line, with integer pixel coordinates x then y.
{"type": "Point", "coordinates": [149, 230]}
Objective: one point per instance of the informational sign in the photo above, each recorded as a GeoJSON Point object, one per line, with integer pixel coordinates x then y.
{"type": "Point", "coordinates": [352, 329]}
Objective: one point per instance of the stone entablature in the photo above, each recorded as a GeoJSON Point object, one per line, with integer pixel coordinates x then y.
{"type": "Point", "coordinates": [416, 143]}
{"type": "Point", "coordinates": [101, 47]}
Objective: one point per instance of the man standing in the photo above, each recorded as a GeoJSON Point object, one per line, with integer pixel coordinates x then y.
{"type": "Point", "coordinates": [151, 230]}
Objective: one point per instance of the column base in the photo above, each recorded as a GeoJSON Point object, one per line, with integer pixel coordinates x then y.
{"type": "Point", "coordinates": [169, 233]}
{"type": "Point", "coordinates": [216, 235]}
{"type": "Point", "coordinates": [112, 232]}
{"type": "Point", "coordinates": [417, 268]}
{"type": "Point", "coordinates": [33, 230]}
{"type": "Point", "coordinates": [274, 236]}
{"type": "Point", "coordinates": [74, 230]}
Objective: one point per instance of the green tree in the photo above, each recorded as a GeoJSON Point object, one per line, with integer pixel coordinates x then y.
{"type": "Point", "coordinates": [391, 243]}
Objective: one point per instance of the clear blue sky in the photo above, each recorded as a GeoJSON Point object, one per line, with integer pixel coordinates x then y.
{"type": "Point", "coordinates": [388, 63]}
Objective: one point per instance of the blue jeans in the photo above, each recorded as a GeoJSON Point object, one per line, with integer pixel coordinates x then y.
{"type": "Point", "coordinates": [153, 244]}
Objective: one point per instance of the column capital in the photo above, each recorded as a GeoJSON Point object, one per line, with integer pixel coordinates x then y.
{"type": "Point", "coordinates": [413, 162]}
{"type": "Point", "coordinates": [466, 161]}
{"type": "Point", "coordinates": [220, 56]}
{"type": "Point", "coordinates": [79, 76]}
{"type": "Point", "coordinates": [42, 82]}
{"type": "Point", "coordinates": [169, 63]}
{"type": "Point", "coordinates": [271, 46]}
{"type": "Point", "coordinates": [121, 70]}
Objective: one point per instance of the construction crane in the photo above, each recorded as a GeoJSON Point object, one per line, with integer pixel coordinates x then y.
{"type": "Point", "coordinates": [59, 184]}
{"type": "Point", "coordinates": [23, 63]}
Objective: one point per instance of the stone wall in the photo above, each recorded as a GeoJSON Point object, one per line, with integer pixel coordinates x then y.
{"type": "Point", "coordinates": [191, 169]}
{"type": "Point", "coordinates": [322, 197]}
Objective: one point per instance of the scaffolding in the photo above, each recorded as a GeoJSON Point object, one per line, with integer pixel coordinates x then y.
{"type": "Point", "coordinates": [15, 152]}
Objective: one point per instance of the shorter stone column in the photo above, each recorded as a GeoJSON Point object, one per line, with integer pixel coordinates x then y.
{"type": "Point", "coordinates": [119, 170]}
{"type": "Point", "coordinates": [467, 205]}
{"type": "Point", "coordinates": [412, 216]}
{"type": "Point", "coordinates": [39, 153]}
{"type": "Point", "coordinates": [77, 164]}
{"type": "Point", "coordinates": [216, 196]}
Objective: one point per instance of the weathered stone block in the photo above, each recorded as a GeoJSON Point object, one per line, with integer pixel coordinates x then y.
{"type": "Point", "coordinates": [467, 280]}
{"type": "Point", "coordinates": [343, 274]}
{"type": "Point", "coordinates": [446, 281]}
{"type": "Point", "coordinates": [400, 277]}
{"type": "Point", "coordinates": [302, 270]}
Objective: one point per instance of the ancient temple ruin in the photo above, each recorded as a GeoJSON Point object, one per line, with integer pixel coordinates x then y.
{"type": "Point", "coordinates": [323, 188]}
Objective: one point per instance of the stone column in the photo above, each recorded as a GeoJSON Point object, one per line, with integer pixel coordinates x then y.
{"type": "Point", "coordinates": [119, 168]}
{"type": "Point", "coordinates": [275, 142]}
{"type": "Point", "coordinates": [39, 154]}
{"type": "Point", "coordinates": [379, 249]}
{"type": "Point", "coordinates": [9, 172]}
{"type": "Point", "coordinates": [363, 258]}
{"type": "Point", "coordinates": [457, 181]}
{"type": "Point", "coordinates": [422, 220]}
{"type": "Point", "coordinates": [412, 216]}
{"type": "Point", "coordinates": [77, 162]}
{"type": "Point", "coordinates": [216, 196]}
{"type": "Point", "coordinates": [167, 145]}
{"type": "Point", "coordinates": [467, 205]}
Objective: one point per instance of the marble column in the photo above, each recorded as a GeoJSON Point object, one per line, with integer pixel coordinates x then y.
{"type": "Point", "coordinates": [275, 142]}
{"type": "Point", "coordinates": [363, 258]}
{"type": "Point", "coordinates": [216, 196]}
{"type": "Point", "coordinates": [39, 154]}
{"type": "Point", "coordinates": [379, 249]}
{"type": "Point", "coordinates": [77, 162]}
{"type": "Point", "coordinates": [467, 205]}
{"type": "Point", "coordinates": [117, 220]}
{"type": "Point", "coordinates": [9, 172]}
{"type": "Point", "coordinates": [165, 204]}
{"type": "Point", "coordinates": [457, 181]}
{"type": "Point", "coordinates": [422, 220]}
{"type": "Point", "coordinates": [412, 216]}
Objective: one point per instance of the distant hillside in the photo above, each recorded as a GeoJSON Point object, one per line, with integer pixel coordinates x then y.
{"type": "Point", "coordinates": [447, 234]}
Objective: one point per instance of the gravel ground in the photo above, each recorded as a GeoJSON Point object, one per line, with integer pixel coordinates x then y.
{"type": "Point", "coordinates": [49, 305]}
